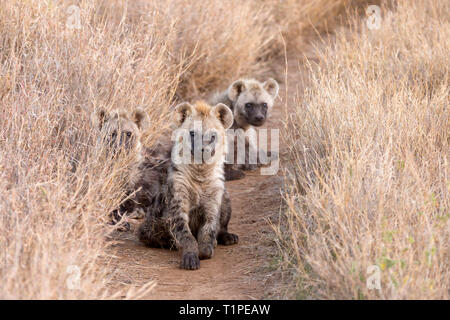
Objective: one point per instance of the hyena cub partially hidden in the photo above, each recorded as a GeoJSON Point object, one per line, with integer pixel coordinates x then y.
{"type": "Point", "coordinates": [119, 134]}
{"type": "Point", "coordinates": [251, 103]}
{"type": "Point", "coordinates": [192, 209]}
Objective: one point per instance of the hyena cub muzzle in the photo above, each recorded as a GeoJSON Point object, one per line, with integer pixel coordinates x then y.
{"type": "Point", "coordinates": [192, 210]}
{"type": "Point", "coordinates": [251, 103]}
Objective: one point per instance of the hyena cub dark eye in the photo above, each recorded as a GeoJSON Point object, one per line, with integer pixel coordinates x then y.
{"type": "Point", "coordinates": [118, 140]}
{"type": "Point", "coordinates": [202, 142]}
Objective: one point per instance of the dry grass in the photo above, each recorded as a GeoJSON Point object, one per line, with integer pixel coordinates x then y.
{"type": "Point", "coordinates": [221, 41]}
{"type": "Point", "coordinates": [55, 191]}
{"type": "Point", "coordinates": [370, 143]}
{"type": "Point", "coordinates": [301, 20]}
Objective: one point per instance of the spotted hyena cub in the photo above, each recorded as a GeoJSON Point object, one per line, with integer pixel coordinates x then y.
{"type": "Point", "coordinates": [119, 134]}
{"type": "Point", "coordinates": [251, 103]}
{"type": "Point", "coordinates": [192, 209]}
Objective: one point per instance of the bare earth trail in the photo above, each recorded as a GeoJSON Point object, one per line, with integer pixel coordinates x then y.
{"type": "Point", "coordinates": [241, 271]}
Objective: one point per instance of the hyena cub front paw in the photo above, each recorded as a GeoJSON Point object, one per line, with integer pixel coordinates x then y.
{"type": "Point", "coordinates": [227, 239]}
{"type": "Point", "coordinates": [249, 167]}
{"type": "Point", "coordinates": [137, 214]}
{"type": "Point", "coordinates": [116, 219]}
{"type": "Point", "coordinates": [124, 226]}
{"type": "Point", "coordinates": [233, 174]}
{"type": "Point", "coordinates": [190, 261]}
{"type": "Point", "coordinates": [205, 252]}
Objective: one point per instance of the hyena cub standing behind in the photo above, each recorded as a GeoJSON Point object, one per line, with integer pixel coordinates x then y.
{"type": "Point", "coordinates": [192, 208]}
{"type": "Point", "coordinates": [251, 103]}
{"type": "Point", "coordinates": [119, 134]}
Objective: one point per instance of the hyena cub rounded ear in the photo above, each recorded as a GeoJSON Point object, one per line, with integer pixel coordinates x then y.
{"type": "Point", "coordinates": [182, 112]}
{"type": "Point", "coordinates": [224, 114]}
{"type": "Point", "coordinates": [272, 87]}
{"type": "Point", "coordinates": [99, 117]}
{"type": "Point", "coordinates": [140, 118]}
{"type": "Point", "coordinates": [235, 90]}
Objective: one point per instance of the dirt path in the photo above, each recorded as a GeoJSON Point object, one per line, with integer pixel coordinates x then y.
{"type": "Point", "coordinates": [242, 271]}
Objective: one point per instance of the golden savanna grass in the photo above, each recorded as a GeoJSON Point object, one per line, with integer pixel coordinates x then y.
{"type": "Point", "coordinates": [55, 194]}
{"type": "Point", "coordinates": [55, 70]}
{"type": "Point", "coordinates": [300, 20]}
{"type": "Point", "coordinates": [369, 139]}
{"type": "Point", "coordinates": [370, 179]}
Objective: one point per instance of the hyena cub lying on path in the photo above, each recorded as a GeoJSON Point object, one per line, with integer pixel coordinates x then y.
{"type": "Point", "coordinates": [120, 135]}
{"type": "Point", "coordinates": [192, 209]}
{"type": "Point", "coordinates": [251, 103]}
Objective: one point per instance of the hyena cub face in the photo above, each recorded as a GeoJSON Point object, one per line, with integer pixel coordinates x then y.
{"type": "Point", "coordinates": [252, 101]}
{"type": "Point", "coordinates": [121, 130]}
{"type": "Point", "coordinates": [202, 131]}
{"type": "Point", "coordinates": [119, 133]}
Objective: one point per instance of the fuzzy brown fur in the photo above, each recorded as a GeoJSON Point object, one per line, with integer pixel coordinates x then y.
{"type": "Point", "coordinates": [120, 131]}
{"type": "Point", "coordinates": [251, 103]}
{"type": "Point", "coordinates": [191, 209]}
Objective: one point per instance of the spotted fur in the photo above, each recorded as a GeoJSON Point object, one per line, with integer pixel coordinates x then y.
{"type": "Point", "coordinates": [251, 103]}
{"type": "Point", "coordinates": [191, 211]}
{"type": "Point", "coordinates": [119, 133]}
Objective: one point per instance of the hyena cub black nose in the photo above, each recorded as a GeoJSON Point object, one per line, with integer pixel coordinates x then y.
{"type": "Point", "coordinates": [251, 103]}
